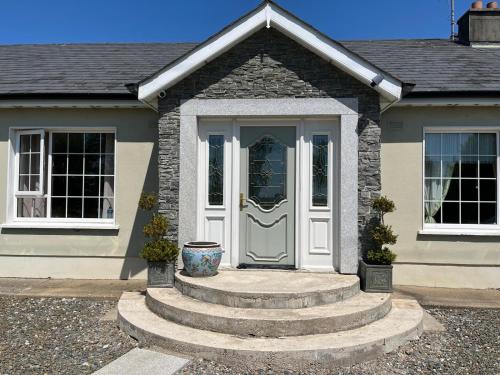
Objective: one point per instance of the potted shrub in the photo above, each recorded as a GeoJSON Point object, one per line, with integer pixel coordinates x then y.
{"type": "Point", "coordinates": [160, 253]}
{"type": "Point", "coordinates": [376, 268]}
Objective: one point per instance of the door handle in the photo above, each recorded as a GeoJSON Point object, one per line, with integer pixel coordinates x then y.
{"type": "Point", "coordinates": [242, 200]}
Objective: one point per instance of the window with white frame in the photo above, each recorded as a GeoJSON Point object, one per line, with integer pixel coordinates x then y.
{"type": "Point", "coordinates": [460, 185]}
{"type": "Point", "coordinates": [64, 175]}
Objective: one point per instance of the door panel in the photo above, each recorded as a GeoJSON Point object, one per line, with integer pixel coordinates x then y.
{"type": "Point", "coordinates": [267, 207]}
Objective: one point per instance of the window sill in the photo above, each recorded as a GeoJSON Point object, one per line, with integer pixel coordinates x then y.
{"type": "Point", "coordinates": [460, 232]}
{"type": "Point", "coordinates": [76, 226]}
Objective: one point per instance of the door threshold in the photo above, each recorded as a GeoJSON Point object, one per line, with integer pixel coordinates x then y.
{"type": "Point", "coordinates": [244, 266]}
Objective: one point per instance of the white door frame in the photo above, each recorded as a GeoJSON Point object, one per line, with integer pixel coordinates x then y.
{"type": "Point", "coordinates": [233, 113]}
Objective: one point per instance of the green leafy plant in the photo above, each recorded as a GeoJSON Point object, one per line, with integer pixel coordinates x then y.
{"type": "Point", "coordinates": [157, 249]}
{"type": "Point", "coordinates": [382, 234]}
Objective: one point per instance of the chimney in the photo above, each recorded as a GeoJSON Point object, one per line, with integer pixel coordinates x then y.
{"type": "Point", "coordinates": [480, 26]}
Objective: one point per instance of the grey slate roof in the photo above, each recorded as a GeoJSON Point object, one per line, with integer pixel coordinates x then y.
{"type": "Point", "coordinates": [433, 65]}
{"type": "Point", "coordinates": [81, 68]}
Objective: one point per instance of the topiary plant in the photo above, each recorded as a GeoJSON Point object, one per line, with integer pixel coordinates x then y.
{"type": "Point", "coordinates": [157, 249]}
{"type": "Point", "coordinates": [382, 234]}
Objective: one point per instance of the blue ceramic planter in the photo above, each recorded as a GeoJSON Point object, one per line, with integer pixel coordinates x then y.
{"type": "Point", "coordinates": [201, 259]}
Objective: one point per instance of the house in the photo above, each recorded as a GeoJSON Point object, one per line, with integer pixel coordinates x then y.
{"type": "Point", "coordinates": [269, 137]}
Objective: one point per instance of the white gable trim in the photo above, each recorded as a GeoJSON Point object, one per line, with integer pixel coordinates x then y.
{"type": "Point", "coordinates": [269, 15]}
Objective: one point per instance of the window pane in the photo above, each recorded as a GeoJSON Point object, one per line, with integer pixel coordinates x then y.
{"type": "Point", "coordinates": [487, 144]}
{"type": "Point", "coordinates": [488, 166]}
{"type": "Point", "coordinates": [216, 170]}
{"type": "Point", "coordinates": [469, 213]}
{"type": "Point", "coordinates": [92, 142]}
{"type": "Point", "coordinates": [451, 213]}
{"type": "Point", "coordinates": [488, 213]}
{"type": "Point", "coordinates": [59, 164]}
{"type": "Point", "coordinates": [75, 207]}
{"type": "Point", "coordinates": [432, 166]}
{"type": "Point", "coordinates": [24, 163]}
{"type": "Point", "coordinates": [451, 190]}
{"type": "Point", "coordinates": [451, 144]}
{"type": "Point", "coordinates": [34, 182]}
{"type": "Point", "coordinates": [451, 166]}
{"type": "Point", "coordinates": [488, 190]}
{"type": "Point", "coordinates": [470, 190]}
{"type": "Point", "coordinates": [107, 208]}
{"type": "Point", "coordinates": [320, 170]}
{"type": "Point", "coordinates": [107, 164]}
{"type": "Point", "coordinates": [35, 163]}
{"type": "Point", "coordinates": [433, 144]}
{"type": "Point", "coordinates": [469, 143]}
{"type": "Point", "coordinates": [75, 164]}
{"type": "Point", "coordinates": [24, 183]}
{"type": "Point", "coordinates": [92, 164]}
{"type": "Point", "coordinates": [58, 207]}
{"type": "Point", "coordinates": [35, 143]}
{"type": "Point", "coordinates": [90, 208]}
{"type": "Point", "coordinates": [469, 166]}
{"type": "Point", "coordinates": [433, 212]}
{"type": "Point", "coordinates": [91, 188]}
{"type": "Point", "coordinates": [60, 142]}
{"type": "Point", "coordinates": [31, 207]}
{"type": "Point", "coordinates": [107, 143]}
{"type": "Point", "coordinates": [107, 186]}
{"type": "Point", "coordinates": [267, 172]}
{"type": "Point", "coordinates": [59, 186]}
{"type": "Point", "coordinates": [75, 186]}
{"type": "Point", "coordinates": [433, 189]}
{"type": "Point", "coordinates": [76, 142]}
{"type": "Point", "coordinates": [25, 140]}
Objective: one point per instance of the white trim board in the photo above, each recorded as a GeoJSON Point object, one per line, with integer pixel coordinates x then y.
{"type": "Point", "coordinates": [449, 102]}
{"type": "Point", "coordinates": [270, 15]}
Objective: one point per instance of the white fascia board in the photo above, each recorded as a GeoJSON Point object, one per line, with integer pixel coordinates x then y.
{"type": "Point", "coordinates": [338, 56]}
{"type": "Point", "coordinates": [270, 16]}
{"type": "Point", "coordinates": [223, 42]}
{"type": "Point", "coordinates": [449, 102]}
{"type": "Point", "coordinates": [70, 103]}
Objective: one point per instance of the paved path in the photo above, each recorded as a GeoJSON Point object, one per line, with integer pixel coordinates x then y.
{"type": "Point", "coordinates": [95, 289]}
{"type": "Point", "coordinates": [141, 361]}
{"type": "Point", "coordinates": [447, 297]}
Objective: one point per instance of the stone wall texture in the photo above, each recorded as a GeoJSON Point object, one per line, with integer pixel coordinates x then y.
{"type": "Point", "coordinates": [270, 65]}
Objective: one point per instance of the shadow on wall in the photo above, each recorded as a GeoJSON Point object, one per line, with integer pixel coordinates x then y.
{"type": "Point", "coordinates": [133, 265]}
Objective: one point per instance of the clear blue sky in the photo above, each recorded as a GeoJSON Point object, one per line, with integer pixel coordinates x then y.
{"type": "Point", "coordinates": [78, 21]}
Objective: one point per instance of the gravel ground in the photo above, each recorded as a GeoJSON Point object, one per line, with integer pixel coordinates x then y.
{"type": "Point", "coordinates": [58, 336]}
{"type": "Point", "coordinates": [70, 336]}
{"type": "Point", "coordinates": [470, 345]}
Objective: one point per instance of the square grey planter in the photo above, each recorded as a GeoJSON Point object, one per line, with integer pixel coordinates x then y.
{"type": "Point", "coordinates": [375, 278]}
{"type": "Point", "coordinates": [161, 274]}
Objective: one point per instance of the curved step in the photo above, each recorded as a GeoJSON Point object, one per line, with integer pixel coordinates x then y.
{"type": "Point", "coordinates": [269, 289]}
{"type": "Point", "coordinates": [355, 312]}
{"type": "Point", "coordinates": [402, 323]}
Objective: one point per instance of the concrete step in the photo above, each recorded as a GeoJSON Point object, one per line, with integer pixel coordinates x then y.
{"type": "Point", "coordinates": [402, 323]}
{"type": "Point", "coordinates": [269, 289]}
{"type": "Point", "coordinates": [354, 312]}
